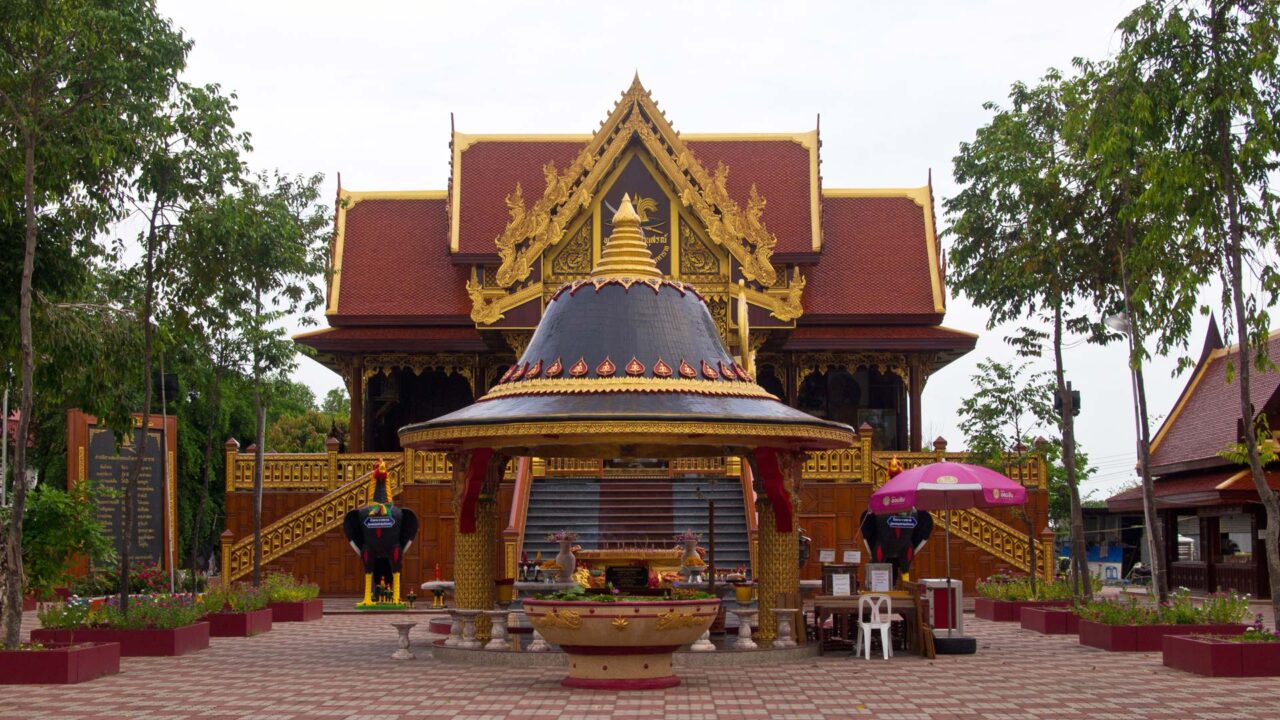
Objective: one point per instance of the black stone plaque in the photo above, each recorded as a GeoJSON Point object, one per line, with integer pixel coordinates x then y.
{"type": "Point", "coordinates": [627, 578]}
{"type": "Point", "coordinates": [109, 469]}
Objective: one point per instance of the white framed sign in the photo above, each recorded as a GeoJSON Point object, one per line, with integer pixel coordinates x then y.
{"type": "Point", "coordinates": [852, 557]}
{"type": "Point", "coordinates": [841, 585]}
{"type": "Point", "coordinates": [879, 577]}
{"type": "Point", "coordinates": [827, 556]}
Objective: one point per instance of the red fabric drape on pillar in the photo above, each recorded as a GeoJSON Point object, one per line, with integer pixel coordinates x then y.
{"type": "Point", "coordinates": [774, 489]}
{"type": "Point", "coordinates": [476, 470]}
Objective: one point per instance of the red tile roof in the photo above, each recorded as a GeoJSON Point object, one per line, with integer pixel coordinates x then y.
{"type": "Point", "coordinates": [780, 171]}
{"type": "Point", "coordinates": [875, 262]}
{"type": "Point", "coordinates": [395, 265]}
{"type": "Point", "coordinates": [1204, 421]}
{"type": "Point", "coordinates": [490, 169]}
{"type": "Point", "coordinates": [878, 337]}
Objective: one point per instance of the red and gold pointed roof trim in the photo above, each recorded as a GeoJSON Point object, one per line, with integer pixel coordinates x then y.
{"type": "Point", "coordinates": [606, 368]}
{"type": "Point", "coordinates": [709, 372]}
{"type": "Point", "coordinates": [579, 368]}
{"type": "Point", "coordinates": [742, 373]}
{"type": "Point", "coordinates": [507, 375]}
{"type": "Point", "coordinates": [635, 368]}
{"type": "Point", "coordinates": [653, 284]}
{"type": "Point", "coordinates": [661, 369]}
{"type": "Point", "coordinates": [686, 370]}
{"type": "Point", "coordinates": [534, 371]}
{"type": "Point", "coordinates": [625, 384]}
{"type": "Point", "coordinates": [554, 369]}
{"type": "Point", "coordinates": [726, 371]}
{"type": "Point", "coordinates": [521, 368]}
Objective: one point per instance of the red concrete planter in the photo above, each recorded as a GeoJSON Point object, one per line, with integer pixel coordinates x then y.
{"type": "Point", "coordinates": [1144, 638]}
{"type": "Point", "coordinates": [1008, 610]}
{"type": "Point", "coordinates": [247, 624]}
{"type": "Point", "coordinates": [1217, 657]}
{"type": "Point", "coordinates": [302, 611]}
{"type": "Point", "coordinates": [135, 643]}
{"type": "Point", "coordinates": [28, 603]}
{"type": "Point", "coordinates": [59, 664]}
{"type": "Point", "coordinates": [1051, 621]}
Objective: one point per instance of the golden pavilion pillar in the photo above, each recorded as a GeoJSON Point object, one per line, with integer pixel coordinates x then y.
{"type": "Point", "coordinates": [473, 552]}
{"type": "Point", "coordinates": [778, 573]}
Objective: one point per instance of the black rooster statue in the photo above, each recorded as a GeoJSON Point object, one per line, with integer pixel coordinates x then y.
{"type": "Point", "coordinates": [381, 534]}
{"type": "Point", "coordinates": [897, 538]}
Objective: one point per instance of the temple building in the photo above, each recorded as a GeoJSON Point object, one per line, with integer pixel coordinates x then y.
{"type": "Point", "coordinates": [1208, 506]}
{"type": "Point", "coordinates": [835, 297]}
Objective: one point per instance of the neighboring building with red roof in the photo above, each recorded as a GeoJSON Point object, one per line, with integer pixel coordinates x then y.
{"type": "Point", "coordinates": [1209, 506]}
{"type": "Point", "coordinates": [434, 293]}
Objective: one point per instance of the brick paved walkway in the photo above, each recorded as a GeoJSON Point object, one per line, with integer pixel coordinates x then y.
{"type": "Point", "coordinates": [340, 668]}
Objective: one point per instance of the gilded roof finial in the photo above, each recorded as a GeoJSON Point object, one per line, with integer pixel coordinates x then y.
{"type": "Point", "coordinates": [625, 253]}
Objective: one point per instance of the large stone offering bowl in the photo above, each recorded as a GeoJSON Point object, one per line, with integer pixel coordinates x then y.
{"type": "Point", "coordinates": [623, 645]}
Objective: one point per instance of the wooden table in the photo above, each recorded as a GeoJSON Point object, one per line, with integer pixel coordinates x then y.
{"type": "Point", "coordinates": [842, 610]}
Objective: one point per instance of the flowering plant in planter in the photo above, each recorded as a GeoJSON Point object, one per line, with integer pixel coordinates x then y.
{"type": "Point", "coordinates": [562, 536]}
{"type": "Point", "coordinates": [1217, 609]}
{"type": "Point", "coordinates": [283, 587]}
{"type": "Point", "coordinates": [1002, 586]}
{"type": "Point", "coordinates": [236, 598]}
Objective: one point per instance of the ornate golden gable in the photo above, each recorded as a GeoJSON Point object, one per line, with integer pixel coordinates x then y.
{"type": "Point", "coordinates": [531, 230]}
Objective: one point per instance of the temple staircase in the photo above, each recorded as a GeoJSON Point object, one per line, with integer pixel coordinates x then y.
{"type": "Point", "coordinates": [633, 512]}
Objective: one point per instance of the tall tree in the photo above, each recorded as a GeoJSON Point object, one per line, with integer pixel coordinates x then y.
{"type": "Point", "coordinates": [1017, 249]}
{"type": "Point", "coordinates": [277, 233]}
{"type": "Point", "coordinates": [1214, 66]}
{"type": "Point", "coordinates": [76, 76]}
{"type": "Point", "coordinates": [190, 152]}
{"type": "Point", "coordinates": [1130, 221]}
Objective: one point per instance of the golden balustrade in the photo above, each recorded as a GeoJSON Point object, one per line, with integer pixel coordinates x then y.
{"type": "Point", "coordinates": [323, 472]}
{"type": "Point", "coordinates": [697, 466]}
{"type": "Point", "coordinates": [303, 525]}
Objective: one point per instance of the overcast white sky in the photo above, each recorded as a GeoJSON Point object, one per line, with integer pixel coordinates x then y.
{"type": "Point", "coordinates": [366, 88]}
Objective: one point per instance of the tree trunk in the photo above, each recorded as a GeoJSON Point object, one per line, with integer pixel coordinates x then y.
{"type": "Point", "coordinates": [13, 543]}
{"type": "Point", "coordinates": [198, 526]}
{"type": "Point", "coordinates": [260, 412]}
{"type": "Point", "coordinates": [1154, 531]}
{"type": "Point", "coordinates": [1079, 564]}
{"type": "Point", "coordinates": [143, 434]}
{"type": "Point", "coordinates": [1235, 266]}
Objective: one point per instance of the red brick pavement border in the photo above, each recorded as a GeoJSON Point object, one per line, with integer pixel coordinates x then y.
{"type": "Point", "coordinates": [340, 669]}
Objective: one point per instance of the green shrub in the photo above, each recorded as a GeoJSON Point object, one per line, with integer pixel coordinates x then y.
{"type": "Point", "coordinates": [1010, 587]}
{"type": "Point", "coordinates": [57, 526]}
{"type": "Point", "coordinates": [236, 598]}
{"type": "Point", "coordinates": [1217, 609]}
{"type": "Point", "coordinates": [282, 587]}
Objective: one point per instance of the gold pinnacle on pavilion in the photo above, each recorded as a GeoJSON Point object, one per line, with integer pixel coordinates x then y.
{"type": "Point", "coordinates": [625, 253]}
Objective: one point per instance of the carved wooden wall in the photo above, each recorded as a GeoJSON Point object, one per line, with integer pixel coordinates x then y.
{"type": "Point", "coordinates": [329, 560]}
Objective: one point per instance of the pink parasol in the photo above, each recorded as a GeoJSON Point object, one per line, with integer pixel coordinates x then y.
{"type": "Point", "coordinates": [946, 486]}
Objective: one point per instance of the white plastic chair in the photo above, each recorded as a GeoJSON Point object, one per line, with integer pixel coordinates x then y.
{"type": "Point", "coordinates": [875, 612]}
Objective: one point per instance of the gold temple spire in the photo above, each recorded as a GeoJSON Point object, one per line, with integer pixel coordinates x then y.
{"type": "Point", "coordinates": [625, 253]}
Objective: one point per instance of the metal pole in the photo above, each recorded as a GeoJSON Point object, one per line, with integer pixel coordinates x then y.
{"type": "Point", "coordinates": [951, 596]}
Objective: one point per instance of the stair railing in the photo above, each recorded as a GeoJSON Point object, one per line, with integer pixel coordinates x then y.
{"type": "Point", "coordinates": [303, 525]}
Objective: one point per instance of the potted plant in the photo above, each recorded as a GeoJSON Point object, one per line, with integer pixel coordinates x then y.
{"type": "Point", "coordinates": [58, 663]}
{"type": "Point", "coordinates": [1131, 627]}
{"type": "Point", "coordinates": [1002, 597]}
{"type": "Point", "coordinates": [238, 610]}
{"type": "Point", "coordinates": [620, 642]}
{"type": "Point", "coordinates": [154, 624]}
{"type": "Point", "coordinates": [1253, 653]}
{"type": "Point", "coordinates": [292, 600]}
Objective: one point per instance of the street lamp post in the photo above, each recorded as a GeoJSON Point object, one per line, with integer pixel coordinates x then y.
{"type": "Point", "coordinates": [1155, 541]}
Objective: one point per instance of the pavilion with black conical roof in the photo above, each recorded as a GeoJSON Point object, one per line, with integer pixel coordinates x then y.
{"type": "Point", "coordinates": [626, 364]}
